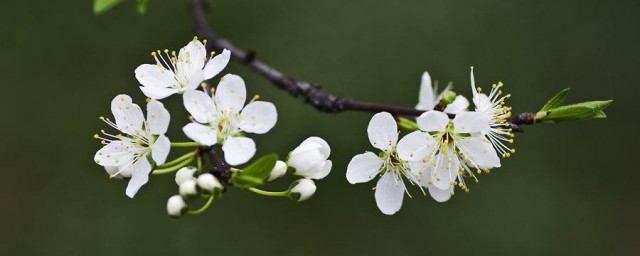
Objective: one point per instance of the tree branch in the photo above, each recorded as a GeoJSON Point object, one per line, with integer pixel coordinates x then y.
{"type": "Point", "coordinates": [311, 93]}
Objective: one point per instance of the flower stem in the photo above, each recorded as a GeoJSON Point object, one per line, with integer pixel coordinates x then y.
{"type": "Point", "coordinates": [203, 208]}
{"type": "Point", "coordinates": [199, 162]}
{"type": "Point", "coordinates": [172, 168]}
{"type": "Point", "coordinates": [269, 193]}
{"type": "Point", "coordinates": [177, 160]}
{"type": "Point", "coordinates": [185, 144]}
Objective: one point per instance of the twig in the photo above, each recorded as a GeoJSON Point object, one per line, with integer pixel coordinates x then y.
{"type": "Point", "coordinates": [311, 93]}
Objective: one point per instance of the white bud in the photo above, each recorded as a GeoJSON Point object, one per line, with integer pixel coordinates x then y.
{"type": "Point", "coordinates": [310, 158]}
{"type": "Point", "coordinates": [278, 171]}
{"type": "Point", "coordinates": [302, 190]}
{"type": "Point", "coordinates": [184, 174]}
{"type": "Point", "coordinates": [176, 206]}
{"type": "Point", "coordinates": [188, 188]}
{"type": "Point", "coordinates": [209, 183]}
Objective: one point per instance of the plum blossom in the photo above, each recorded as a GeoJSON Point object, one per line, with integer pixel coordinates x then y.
{"type": "Point", "coordinates": [429, 97]}
{"type": "Point", "coordinates": [496, 113]}
{"type": "Point", "coordinates": [459, 148]}
{"type": "Point", "coordinates": [223, 118]}
{"type": "Point", "coordinates": [310, 158]}
{"type": "Point", "coordinates": [127, 155]}
{"type": "Point", "coordinates": [179, 73]}
{"type": "Point", "coordinates": [390, 189]}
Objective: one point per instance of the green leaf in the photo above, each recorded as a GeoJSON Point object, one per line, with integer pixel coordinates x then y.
{"type": "Point", "coordinates": [556, 100]}
{"type": "Point", "coordinates": [256, 173]}
{"type": "Point", "coordinates": [577, 112]}
{"type": "Point", "coordinates": [142, 6]}
{"type": "Point", "coordinates": [101, 6]}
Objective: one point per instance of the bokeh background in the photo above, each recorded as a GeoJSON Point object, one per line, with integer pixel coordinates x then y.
{"type": "Point", "coordinates": [570, 189]}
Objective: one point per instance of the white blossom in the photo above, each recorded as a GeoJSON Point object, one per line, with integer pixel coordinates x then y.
{"type": "Point", "coordinates": [445, 150]}
{"type": "Point", "coordinates": [302, 190]}
{"type": "Point", "coordinates": [176, 206]}
{"type": "Point", "coordinates": [209, 183]}
{"type": "Point", "coordinates": [309, 160]}
{"type": "Point", "coordinates": [279, 170]}
{"type": "Point", "coordinates": [429, 97]}
{"type": "Point", "coordinates": [127, 155]}
{"type": "Point", "coordinates": [179, 73]}
{"type": "Point", "coordinates": [496, 114]}
{"type": "Point", "coordinates": [185, 174]}
{"type": "Point", "coordinates": [188, 188]}
{"type": "Point", "coordinates": [223, 118]}
{"type": "Point", "coordinates": [390, 189]}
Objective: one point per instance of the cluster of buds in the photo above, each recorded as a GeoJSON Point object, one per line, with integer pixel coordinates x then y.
{"type": "Point", "coordinates": [190, 187]}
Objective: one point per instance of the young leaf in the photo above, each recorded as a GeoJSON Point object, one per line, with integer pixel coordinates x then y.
{"type": "Point", "coordinates": [408, 124]}
{"type": "Point", "coordinates": [556, 100]}
{"type": "Point", "coordinates": [576, 112]}
{"type": "Point", "coordinates": [101, 6]}
{"type": "Point", "coordinates": [256, 173]}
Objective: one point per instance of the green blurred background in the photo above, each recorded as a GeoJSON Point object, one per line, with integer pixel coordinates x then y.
{"type": "Point", "coordinates": [570, 189]}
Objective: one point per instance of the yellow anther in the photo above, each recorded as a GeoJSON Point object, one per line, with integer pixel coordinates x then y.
{"type": "Point", "coordinates": [204, 41]}
{"type": "Point", "coordinates": [103, 142]}
{"type": "Point", "coordinates": [213, 53]}
{"type": "Point", "coordinates": [119, 136]}
{"type": "Point", "coordinates": [102, 131]}
{"type": "Point", "coordinates": [487, 171]}
{"type": "Point", "coordinates": [452, 193]}
{"type": "Point", "coordinates": [153, 54]}
{"type": "Point", "coordinates": [195, 38]}
{"type": "Point", "coordinates": [430, 183]}
{"type": "Point", "coordinates": [513, 151]}
{"type": "Point", "coordinates": [479, 89]}
{"type": "Point", "coordinates": [173, 53]}
{"type": "Point", "coordinates": [212, 90]}
{"type": "Point", "coordinates": [166, 51]}
{"type": "Point", "coordinates": [122, 98]}
{"type": "Point", "coordinates": [203, 85]}
{"type": "Point", "coordinates": [148, 100]}
{"type": "Point", "coordinates": [479, 171]}
{"type": "Point", "coordinates": [95, 136]}
{"type": "Point", "coordinates": [190, 118]}
{"type": "Point", "coordinates": [256, 97]}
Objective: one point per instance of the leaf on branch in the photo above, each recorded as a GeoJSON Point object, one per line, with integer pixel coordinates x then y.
{"type": "Point", "coordinates": [256, 173]}
{"type": "Point", "coordinates": [142, 6]}
{"type": "Point", "coordinates": [556, 100]}
{"type": "Point", "coordinates": [101, 6]}
{"type": "Point", "coordinates": [577, 112]}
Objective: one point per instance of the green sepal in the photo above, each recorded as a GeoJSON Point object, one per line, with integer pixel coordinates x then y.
{"type": "Point", "coordinates": [408, 124]}
{"type": "Point", "coordinates": [577, 112]}
{"type": "Point", "coordinates": [556, 100]}
{"type": "Point", "coordinates": [101, 6]}
{"type": "Point", "coordinates": [255, 174]}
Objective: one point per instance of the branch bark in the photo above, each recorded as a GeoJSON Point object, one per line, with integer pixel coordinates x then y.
{"type": "Point", "coordinates": [311, 93]}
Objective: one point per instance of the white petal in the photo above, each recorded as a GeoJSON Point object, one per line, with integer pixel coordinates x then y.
{"type": "Point", "coordinates": [305, 157]}
{"type": "Point", "coordinates": [389, 193]}
{"type": "Point", "coordinates": [320, 171]}
{"type": "Point", "coordinates": [231, 93]}
{"type": "Point", "coordinates": [446, 170]}
{"type": "Point", "coordinates": [473, 86]}
{"type": "Point", "coordinates": [324, 146]}
{"type": "Point", "coordinates": [194, 80]}
{"type": "Point", "coordinates": [116, 153]}
{"type": "Point", "coordinates": [479, 152]}
{"type": "Point", "coordinates": [482, 103]}
{"type": "Point", "coordinates": [160, 149]}
{"type": "Point", "coordinates": [470, 122]}
{"type": "Point", "coordinates": [433, 121]}
{"type": "Point", "coordinates": [129, 117]}
{"type": "Point", "coordinates": [139, 176]}
{"type": "Point", "coordinates": [238, 150]}
{"type": "Point", "coordinates": [415, 146]}
{"type": "Point", "coordinates": [383, 131]}
{"type": "Point", "coordinates": [426, 99]}
{"type": "Point", "coordinates": [202, 134]}
{"type": "Point", "coordinates": [200, 106]}
{"type": "Point", "coordinates": [158, 93]}
{"type": "Point", "coordinates": [155, 76]}
{"type": "Point", "coordinates": [157, 117]}
{"type": "Point", "coordinates": [216, 64]}
{"type": "Point", "coordinates": [191, 58]}
{"type": "Point", "coordinates": [440, 195]}
{"type": "Point", "coordinates": [458, 105]}
{"type": "Point", "coordinates": [258, 117]}
{"type": "Point", "coordinates": [363, 167]}
{"type": "Point", "coordinates": [420, 172]}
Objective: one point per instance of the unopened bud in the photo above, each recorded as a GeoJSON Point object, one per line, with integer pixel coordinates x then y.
{"type": "Point", "coordinates": [184, 174]}
{"type": "Point", "coordinates": [278, 171]}
{"type": "Point", "coordinates": [188, 189]}
{"type": "Point", "coordinates": [302, 190]}
{"type": "Point", "coordinates": [176, 206]}
{"type": "Point", "coordinates": [209, 183]}
{"type": "Point", "coordinates": [448, 97]}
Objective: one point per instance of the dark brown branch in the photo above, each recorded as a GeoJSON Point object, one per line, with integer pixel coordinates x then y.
{"type": "Point", "coordinates": [311, 93]}
{"type": "Point", "coordinates": [219, 168]}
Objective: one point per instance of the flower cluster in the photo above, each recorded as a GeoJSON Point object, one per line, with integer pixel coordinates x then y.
{"type": "Point", "coordinates": [219, 115]}
{"type": "Point", "coordinates": [441, 153]}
